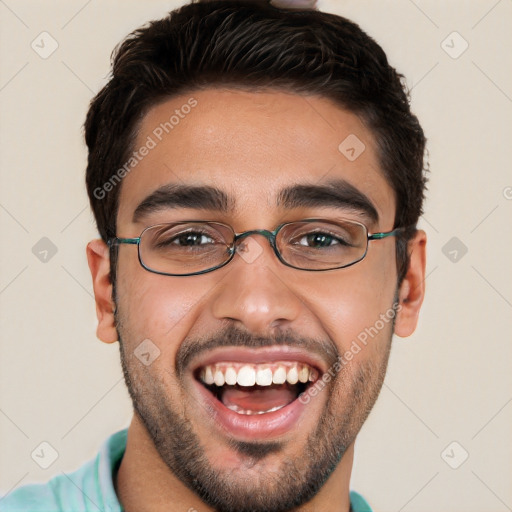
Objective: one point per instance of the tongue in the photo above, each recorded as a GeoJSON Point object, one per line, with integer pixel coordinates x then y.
{"type": "Point", "coordinates": [258, 399]}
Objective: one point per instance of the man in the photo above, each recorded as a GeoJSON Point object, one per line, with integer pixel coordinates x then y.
{"type": "Point", "coordinates": [256, 176]}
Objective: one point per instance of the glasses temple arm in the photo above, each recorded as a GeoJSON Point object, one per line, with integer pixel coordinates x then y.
{"type": "Point", "coordinates": [116, 241]}
{"type": "Point", "coordinates": [379, 236]}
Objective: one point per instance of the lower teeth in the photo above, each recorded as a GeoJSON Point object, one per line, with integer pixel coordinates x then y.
{"type": "Point", "coordinates": [239, 410]}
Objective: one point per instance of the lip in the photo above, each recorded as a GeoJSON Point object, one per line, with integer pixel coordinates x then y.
{"type": "Point", "coordinates": [246, 427]}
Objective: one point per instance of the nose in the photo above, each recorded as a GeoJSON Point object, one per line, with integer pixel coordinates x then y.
{"type": "Point", "coordinates": [257, 292]}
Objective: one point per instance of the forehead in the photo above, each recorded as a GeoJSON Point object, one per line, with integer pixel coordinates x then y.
{"type": "Point", "coordinates": [252, 145]}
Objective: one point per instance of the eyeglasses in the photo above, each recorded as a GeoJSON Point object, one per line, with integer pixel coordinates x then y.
{"type": "Point", "coordinates": [197, 247]}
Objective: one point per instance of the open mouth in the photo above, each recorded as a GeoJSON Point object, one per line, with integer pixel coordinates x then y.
{"type": "Point", "coordinates": [259, 388]}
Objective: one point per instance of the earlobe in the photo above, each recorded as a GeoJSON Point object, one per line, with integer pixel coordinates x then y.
{"type": "Point", "coordinates": [412, 288]}
{"type": "Point", "coordinates": [99, 265]}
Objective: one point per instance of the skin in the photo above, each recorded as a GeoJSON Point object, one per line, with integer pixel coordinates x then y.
{"type": "Point", "coordinates": [251, 145]}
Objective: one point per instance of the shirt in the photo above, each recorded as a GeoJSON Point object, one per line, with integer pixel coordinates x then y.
{"type": "Point", "coordinates": [91, 487]}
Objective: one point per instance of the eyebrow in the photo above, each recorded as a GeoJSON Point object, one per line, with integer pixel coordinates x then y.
{"type": "Point", "coordinates": [195, 197]}
{"type": "Point", "coordinates": [334, 193]}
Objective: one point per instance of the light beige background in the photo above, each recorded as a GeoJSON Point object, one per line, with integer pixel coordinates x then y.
{"type": "Point", "coordinates": [451, 381]}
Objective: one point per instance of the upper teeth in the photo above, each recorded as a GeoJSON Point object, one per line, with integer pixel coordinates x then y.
{"type": "Point", "coordinates": [260, 374]}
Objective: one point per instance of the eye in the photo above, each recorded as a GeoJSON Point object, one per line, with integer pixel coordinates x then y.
{"type": "Point", "coordinates": [318, 240]}
{"type": "Point", "coordinates": [323, 240]}
{"type": "Point", "coordinates": [191, 238]}
{"type": "Point", "coordinates": [181, 238]}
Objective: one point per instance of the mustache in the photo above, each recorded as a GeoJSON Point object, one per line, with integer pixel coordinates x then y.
{"type": "Point", "coordinates": [232, 336]}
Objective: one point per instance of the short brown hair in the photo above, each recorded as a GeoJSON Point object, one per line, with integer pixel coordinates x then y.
{"type": "Point", "coordinates": [251, 44]}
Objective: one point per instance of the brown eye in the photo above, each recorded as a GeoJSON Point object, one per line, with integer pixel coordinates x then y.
{"type": "Point", "coordinates": [318, 240]}
{"type": "Point", "coordinates": [191, 238]}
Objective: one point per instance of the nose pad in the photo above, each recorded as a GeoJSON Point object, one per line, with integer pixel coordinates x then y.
{"type": "Point", "coordinates": [249, 249]}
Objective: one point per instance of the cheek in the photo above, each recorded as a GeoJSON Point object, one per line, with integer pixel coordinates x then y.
{"type": "Point", "coordinates": [155, 307]}
{"type": "Point", "coordinates": [352, 303]}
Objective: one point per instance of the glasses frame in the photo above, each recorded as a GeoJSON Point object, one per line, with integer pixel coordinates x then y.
{"type": "Point", "coordinates": [271, 236]}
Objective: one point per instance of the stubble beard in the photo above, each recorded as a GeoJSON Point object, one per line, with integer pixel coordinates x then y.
{"type": "Point", "coordinates": [351, 396]}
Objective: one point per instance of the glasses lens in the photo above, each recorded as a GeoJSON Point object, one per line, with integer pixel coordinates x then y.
{"type": "Point", "coordinates": [185, 247]}
{"type": "Point", "coordinates": [322, 245]}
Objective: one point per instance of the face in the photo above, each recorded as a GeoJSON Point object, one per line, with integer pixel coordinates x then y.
{"type": "Point", "coordinates": [255, 161]}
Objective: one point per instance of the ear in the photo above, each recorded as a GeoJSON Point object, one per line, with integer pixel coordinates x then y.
{"type": "Point", "coordinates": [412, 289]}
{"type": "Point", "coordinates": [99, 264]}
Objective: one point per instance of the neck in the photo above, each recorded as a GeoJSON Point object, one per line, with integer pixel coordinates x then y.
{"type": "Point", "coordinates": [145, 483]}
